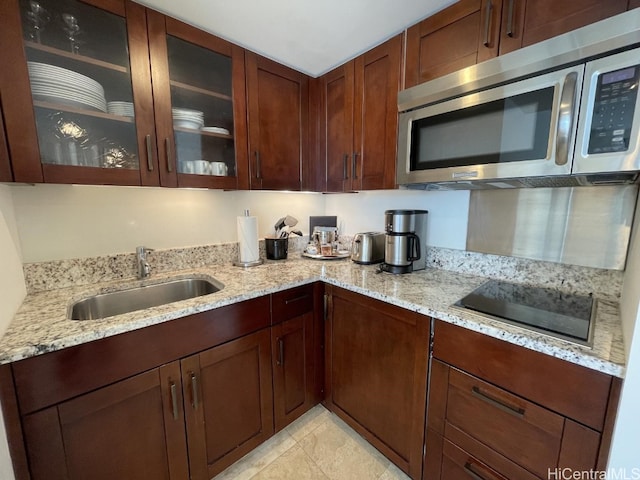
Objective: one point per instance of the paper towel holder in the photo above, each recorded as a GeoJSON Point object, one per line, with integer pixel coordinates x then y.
{"type": "Point", "coordinates": [254, 263]}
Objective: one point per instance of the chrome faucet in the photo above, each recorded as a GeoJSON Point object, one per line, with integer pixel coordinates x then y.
{"type": "Point", "coordinates": [144, 269]}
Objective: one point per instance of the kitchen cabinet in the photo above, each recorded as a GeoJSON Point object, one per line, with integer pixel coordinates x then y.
{"type": "Point", "coordinates": [472, 31]}
{"type": "Point", "coordinates": [208, 374]}
{"type": "Point", "coordinates": [80, 55]}
{"type": "Point", "coordinates": [131, 429]}
{"type": "Point", "coordinates": [360, 120]}
{"type": "Point", "coordinates": [229, 409]}
{"type": "Point", "coordinates": [200, 106]}
{"type": "Point", "coordinates": [278, 121]}
{"type": "Point", "coordinates": [376, 373]}
{"type": "Point", "coordinates": [457, 37]}
{"type": "Point", "coordinates": [497, 410]}
{"type": "Point", "coordinates": [294, 358]}
{"type": "Point", "coordinates": [525, 22]}
{"type": "Point", "coordinates": [84, 107]}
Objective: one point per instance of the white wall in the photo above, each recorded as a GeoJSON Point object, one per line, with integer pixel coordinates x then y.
{"type": "Point", "coordinates": [364, 211]}
{"type": "Point", "coordinates": [626, 436]}
{"type": "Point", "coordinates": [12, 293]}
{"type": "Point", "coordinates": [69, 221]}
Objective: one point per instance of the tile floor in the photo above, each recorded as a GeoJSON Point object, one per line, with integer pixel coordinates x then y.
{"type": "Point", "coordinates": [317, 446]}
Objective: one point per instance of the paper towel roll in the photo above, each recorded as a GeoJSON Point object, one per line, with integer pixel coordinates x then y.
{"type": "Point", "coordinates": [248, 239]}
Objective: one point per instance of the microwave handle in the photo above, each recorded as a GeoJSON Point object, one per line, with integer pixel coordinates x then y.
{"type": "Point", "coordinates": [566, 116]}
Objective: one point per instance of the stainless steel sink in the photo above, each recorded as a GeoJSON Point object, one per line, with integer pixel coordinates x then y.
{"type": "Point", "coordinates": [124, 301]}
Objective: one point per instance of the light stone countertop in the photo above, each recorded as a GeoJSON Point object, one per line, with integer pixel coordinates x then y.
{"type": "Point", "coordinates": [41, 326]}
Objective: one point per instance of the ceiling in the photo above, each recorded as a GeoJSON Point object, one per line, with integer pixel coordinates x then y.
{"type": "Point", "coordinates": [308, 35]}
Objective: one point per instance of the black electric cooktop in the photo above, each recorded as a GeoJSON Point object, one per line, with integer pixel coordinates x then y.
{"type": "Point", "coordinates": [543, 310]}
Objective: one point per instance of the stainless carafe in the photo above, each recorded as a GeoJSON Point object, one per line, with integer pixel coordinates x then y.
{"type": "Point", "coordinates": [405, 241]}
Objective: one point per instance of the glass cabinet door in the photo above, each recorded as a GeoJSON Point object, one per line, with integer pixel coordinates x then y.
{"type": "Point", "coordinates": [79, 69]}
{"type": "Point", "coordinates": [195, 105]}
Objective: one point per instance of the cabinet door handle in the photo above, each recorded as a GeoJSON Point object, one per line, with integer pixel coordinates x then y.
{"type": "Point", "coordinates": [345, 172]}
{"type": "Point", "coordinates": [280, 359]}
{"type": "Point", "coordinates": [354, 170]}
{"type": "Point", "coordinates": [167, 149]}
{"type": "Point", "coordinates": [258, 169]}
{"type": "Point", "coordinates": [296, 299]}
{"type": "Point", "coordinates": [147, 140]}
{"type": "Point", "coordinates": [487, 23]}
{"type": "Point", "coordinates": [510, 20]}
{"type": "Point", "coordinates": [513, 410]}
{"type": "Point", "coordinates": [566, 118]}
{"type": "Point", "coordinates": [468, 468]}
{"type": "Point", "coordinates": [194, 391]}
{"type": "Point", "coordinates": [173, 389]}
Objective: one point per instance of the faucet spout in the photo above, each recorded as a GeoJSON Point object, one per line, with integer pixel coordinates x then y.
{"type": "Point", "coordinates": [144, 269]}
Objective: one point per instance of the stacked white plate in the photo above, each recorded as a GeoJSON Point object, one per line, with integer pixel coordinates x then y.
{"type": "Point", "coordinates": [219, 130]}
{"type": "Point", "coordinates": [186, 118]}
{"type": "Point", "coordinates": [50, 83]}
{"type": "Point", "coordinates": [124, 109]}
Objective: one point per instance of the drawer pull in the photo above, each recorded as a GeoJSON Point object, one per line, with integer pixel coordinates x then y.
{"type": "Point", "coordinates": [468, 468]}
{"type": "Point", "coordinates": [174, 399]}
{"type": "Point", "coordinates": [280, 359]}
{"type": "Point", "coordinates": [147, 140]}
{"type": "Point", "coordinates": [296, 299]}
{"type": "Point", "coordinates": [167, 150]}
{"type": "Point", "coordinates": [194, 391]}
{"type": "Point", "coordinates": [516, 411]}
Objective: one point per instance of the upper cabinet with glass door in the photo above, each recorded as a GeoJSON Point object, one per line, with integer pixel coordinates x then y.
{"type": "Point", "coordinates": [199, 95]}
{"type": "Point", "coordinates": [88, 74]}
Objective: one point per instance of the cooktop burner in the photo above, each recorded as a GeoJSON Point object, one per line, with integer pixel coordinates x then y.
{"type": "Point", "coordinates": [543, 310]}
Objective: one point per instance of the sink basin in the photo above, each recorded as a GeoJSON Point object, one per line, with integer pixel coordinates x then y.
{"type": "Point", "coordinates": [124, 301]}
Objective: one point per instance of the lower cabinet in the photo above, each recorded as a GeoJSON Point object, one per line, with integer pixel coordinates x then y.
{"type": "Point", "coordinates": [295, 332]}
{"type": "Point", "coordinates": [131, 429]}
{"type": "Point", "coordinates": [376, 362]}
{"type": "Point", "coordinates": [499, 411]}
{"type": "Point", "coordinates": [182, 399]}
{"type": "Point", "coordinates": [228, 402]}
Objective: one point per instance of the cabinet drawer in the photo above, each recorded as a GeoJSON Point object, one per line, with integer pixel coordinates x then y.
{"type": "Point", "coordinates": [566, 388]}
{"type": "Point", "coordinates": [510, 425]}
{"type": "Point", "coordinates": [292, 303]}
{"type": "Point", "coordinates": [456, 463]}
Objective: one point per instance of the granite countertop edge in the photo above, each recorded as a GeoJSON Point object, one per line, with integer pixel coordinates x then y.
{"type": "Point", "coordinates": [40, 324]}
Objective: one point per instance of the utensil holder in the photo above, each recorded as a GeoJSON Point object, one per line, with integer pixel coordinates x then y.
{"type": "Point", "coordinates": [277, 248]}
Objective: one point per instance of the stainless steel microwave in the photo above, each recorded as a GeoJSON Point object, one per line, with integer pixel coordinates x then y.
{"type": "Point", "coordinates": [574, 121]}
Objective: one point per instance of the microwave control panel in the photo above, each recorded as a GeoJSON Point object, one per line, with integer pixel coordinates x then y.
{"type": "Point", "coordinates": [613, 110]}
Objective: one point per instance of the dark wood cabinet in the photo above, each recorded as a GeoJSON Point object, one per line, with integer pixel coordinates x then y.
{"type": "Point", "coordinates": [472, 31]}
{"type": "Point", "coordinates": [525, 22]}
{"type": "Point", "coordinates": [131, 429]}
{"type": "Point", "coordinates": [119, 407]}
{"type": "Point", "coordinates": [495, 410]}
{"type": "Point", "coordinates": [58, 137]}
{"type": "Point", "coordinates": [294, 338]}
{"type": "Point", "coordinates": [278, 113]}
{"type": "Point", "coordinates": [229, 403]}
{"type": "Point", "coordinates": [360, 120]}
{"type": "Point", "coordinates": [197, 72]}
{"type": "Point", "coordinates": [158, 102]}
{"type": "Point", "coordinates": [448, 41]}
{"type": "Point", "coordinates": [376, 373]}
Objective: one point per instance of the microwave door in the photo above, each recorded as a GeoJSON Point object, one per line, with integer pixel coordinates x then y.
{"type": "Point", "coordinates": [520, 129]}
{"type": "Point", "coordinates": [609, 123]}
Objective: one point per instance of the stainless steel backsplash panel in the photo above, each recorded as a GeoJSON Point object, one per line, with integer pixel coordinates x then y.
{"type": "Point", "coordinates": [588, 226]}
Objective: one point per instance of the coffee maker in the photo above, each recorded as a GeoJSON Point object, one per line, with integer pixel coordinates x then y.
{"type": "Point", "coordinates": [405, 248]}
